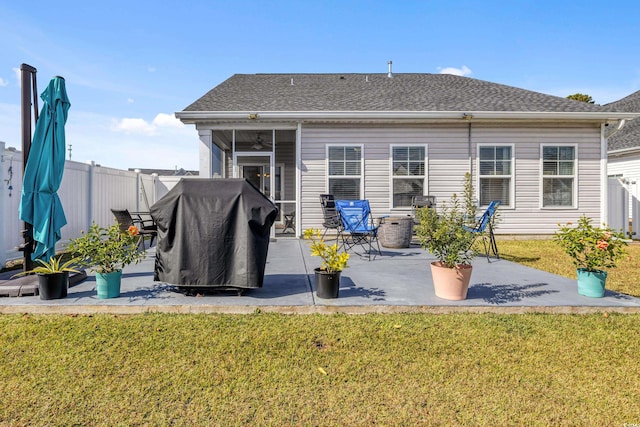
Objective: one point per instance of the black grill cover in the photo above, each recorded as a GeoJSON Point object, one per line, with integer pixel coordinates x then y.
{"type": "Point", "coordinates": [213, 233]}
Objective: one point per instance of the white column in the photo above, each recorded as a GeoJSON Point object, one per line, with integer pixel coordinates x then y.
{"type": "Point", "coordinates": [206, 153]}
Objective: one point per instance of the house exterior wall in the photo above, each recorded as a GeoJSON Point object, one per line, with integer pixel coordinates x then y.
{"type": "Point", "coordinates": [627, 166]}
{"type": "Point", "coordinates": [448, 154]}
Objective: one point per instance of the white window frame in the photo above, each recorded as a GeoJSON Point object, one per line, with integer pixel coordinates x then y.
{"type": "Point", "coordinates": [512, 177]}
{"type": "Point", "coordinates": [392, 177]}
{"type": "Point", "coordinates": [574, 176]}
{"type": "Point", "coordinates": [327, 176]}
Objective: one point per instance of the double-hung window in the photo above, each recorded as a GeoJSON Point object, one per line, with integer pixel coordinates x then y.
{"type": "Point", "coordinates": [409, 173]}
{"type": "Point", "coordinates": [495, 174]}
{"type": "Point", "coordinates": [558, 175]}
{"type": "Point", "coordinates": [345, 171]}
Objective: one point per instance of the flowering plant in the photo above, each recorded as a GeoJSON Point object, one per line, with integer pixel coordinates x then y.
{"type": "Point", "coordinates": [108, 249]}
{"type": "Point", "coordinates": [332, 260]}
{"type": "Point", "coordinates": [591, 248]}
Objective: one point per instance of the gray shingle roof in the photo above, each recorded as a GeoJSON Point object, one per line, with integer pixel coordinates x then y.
{"type": "Point", "coordinates": [628, 136]}
{"type": "Point", "coordinates": [376, 92]}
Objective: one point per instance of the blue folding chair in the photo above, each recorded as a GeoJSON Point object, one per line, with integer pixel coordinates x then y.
{"type": "Point", "coordinates": [357, 226]}
{"type": "Point", "coordinates": [480, 229]}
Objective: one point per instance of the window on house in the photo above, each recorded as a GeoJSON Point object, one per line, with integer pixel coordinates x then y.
{"type": "Point", "coordinates": [558, 176]}
{"type": "Point", "coordinates": [345, 171]}
{"type": "Point", "coordinates": [495, 174]}
{"type": "Point", "coordinates": [408, 174]}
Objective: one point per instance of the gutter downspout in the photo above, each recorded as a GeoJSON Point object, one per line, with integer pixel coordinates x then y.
{"type": "Point", "coordinates": [298, 154]}
{"type": "Point", "coordinates": [604, 197]}
{"type": "Point", "coordinates": [470, 153]}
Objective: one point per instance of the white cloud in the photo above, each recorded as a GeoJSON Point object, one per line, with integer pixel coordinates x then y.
{"type": "Point", "coordinates": [464, 71]}
{"type": "Point", "coordinates": [137, 126]}
{"type": "Point", "coordinates": [18, 73]}
{"type": "Point", "coordinates": [167, 120]}
{"type": "Point", "coordinates": [151, 69]}
{"type": "Point", "coordinates": [130, 143]}
{"type": "Point", "coordinates": [133, 126]}
{"type": "Point", "coordinates": [130, 101]}
{"type": "Point", "coordinates": [3, 82]}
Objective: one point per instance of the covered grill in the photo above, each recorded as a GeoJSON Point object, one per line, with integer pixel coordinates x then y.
{"type": "Point", "coordinates": [213, 233]}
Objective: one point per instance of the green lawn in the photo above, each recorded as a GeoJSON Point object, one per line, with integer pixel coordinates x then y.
{"type": "Point", "coordinates": [330, 370]}
{"type": "Point", "coordinates": [270, 369]}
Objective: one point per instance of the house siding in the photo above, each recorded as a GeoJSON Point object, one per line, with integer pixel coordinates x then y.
{"type": "Point", "coordinates": [448, 161]}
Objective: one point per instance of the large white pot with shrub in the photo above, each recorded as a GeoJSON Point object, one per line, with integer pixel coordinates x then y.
{"type": "Point", "coordinates": [441, 232]}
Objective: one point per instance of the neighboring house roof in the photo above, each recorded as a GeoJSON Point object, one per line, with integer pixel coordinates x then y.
{"type": "Point", "coordinates": [167, 172]}
{"type": "Point", "coordinates": [629, 136]}
{"type": "Point", "coordinates": [347, 94]}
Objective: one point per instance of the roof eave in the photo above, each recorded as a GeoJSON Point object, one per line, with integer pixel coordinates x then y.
{"type": "Point", "coordinates": [195, 116]}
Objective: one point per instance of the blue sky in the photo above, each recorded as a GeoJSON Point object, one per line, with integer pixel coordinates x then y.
{"type": "Point", "coordinates": [129, 66]}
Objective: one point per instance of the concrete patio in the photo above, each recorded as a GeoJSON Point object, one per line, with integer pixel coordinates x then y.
{"type": "Point", "coordinates": [398, 280]}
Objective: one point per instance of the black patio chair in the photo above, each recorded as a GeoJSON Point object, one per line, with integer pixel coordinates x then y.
{"type": "Point", "coordinates": [146, 227]}
{"type": "Point", "coordinates": [422, 202]}
{"type": "Point", "coordinates": [331, 219]}
{"type": "Point", "coordinates": [484, 229]}
{"type": "Point", "coordinates": [418, 202]}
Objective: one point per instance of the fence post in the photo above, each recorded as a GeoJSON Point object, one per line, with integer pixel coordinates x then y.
{"type": "Point", "coordinates": [90, 191]}
{"type": "Point", "coordinates": [3, 211]}
{"type": "Point", "coordinates": [138, 184]}
{"type": "Point", "coordinates": [154, 180]}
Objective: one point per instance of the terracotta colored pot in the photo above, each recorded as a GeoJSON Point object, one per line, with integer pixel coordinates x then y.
{"type": "Point", "coordinates": [451, 283]}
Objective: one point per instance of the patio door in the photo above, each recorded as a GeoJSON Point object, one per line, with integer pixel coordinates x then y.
{"type": "Point", "coordinates": [259, 175]}
{"type": "Point", "coordinates": [257, 169]}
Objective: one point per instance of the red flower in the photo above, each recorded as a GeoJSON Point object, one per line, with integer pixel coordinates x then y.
{"type": "Point", "coordinates": [603, 244]}
{"type": "Point", "coordinates": [133, 230]}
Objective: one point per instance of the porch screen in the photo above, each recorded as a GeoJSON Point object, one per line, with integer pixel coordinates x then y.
{"type": "Point", "coordinates": [345, 172]}
{"type": "Point", "coordinates": [495, 174]}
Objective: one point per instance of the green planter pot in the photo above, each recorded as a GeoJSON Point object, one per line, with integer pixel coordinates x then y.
{"type": "Point", "coordinates": [591, 283]}
{"type": "Point", "coordinates": [108, 284]}
{"type": "Point", "coordinates": [53, 285]}
{"type": "Point", "coordinates": [327, 284]}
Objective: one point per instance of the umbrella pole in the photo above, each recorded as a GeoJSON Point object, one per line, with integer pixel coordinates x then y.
{"type": "Point", "coordinates": [28, 80]}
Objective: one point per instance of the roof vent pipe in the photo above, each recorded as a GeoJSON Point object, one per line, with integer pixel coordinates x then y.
{"type": "Point", "coordinates": [292, 82]}
{"type": "Point", "coordinates": [389, 73]}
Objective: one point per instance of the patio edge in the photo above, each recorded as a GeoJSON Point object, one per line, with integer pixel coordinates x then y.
{"type": "Point", "coordinates": [316, 309]}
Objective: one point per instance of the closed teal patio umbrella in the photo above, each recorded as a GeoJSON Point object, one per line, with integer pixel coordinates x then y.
{"type": "Point", "coordinates": [40, 205]}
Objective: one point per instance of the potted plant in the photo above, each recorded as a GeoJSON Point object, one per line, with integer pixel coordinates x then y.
{"type": "Point", "coordinates": [107, 251]}
{"type": "Point", "coordinates": [443, 235]}
{"type": "Point", "coordinates": [53, 277]}
{"type": "Point", "coordinates": [591, 249]}
{"type": "Point", "coordinates": [333, 262]}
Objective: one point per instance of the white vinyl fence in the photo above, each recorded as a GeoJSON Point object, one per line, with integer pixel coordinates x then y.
{"type": "Point", "coordinates": [88, 193]}
{"type": "Point", "coordinates": [624, 206]}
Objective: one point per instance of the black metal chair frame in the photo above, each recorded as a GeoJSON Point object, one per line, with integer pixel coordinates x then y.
{"type": "Point", "coordinates": [362, 232]}
{"type": "Point", "coordinates": [484, 228]}
{"type": "Point", "coordinates": [418, 202]}
{"type": "Point", "coordinates": [289, 221]}
{"type": "Point", "coordinates": [331, 219]}
{"type": "Point", "coordinates": [146, 227]}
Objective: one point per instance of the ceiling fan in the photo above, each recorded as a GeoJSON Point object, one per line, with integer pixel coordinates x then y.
{"type": "Point", "coordinates": [260, 143]}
